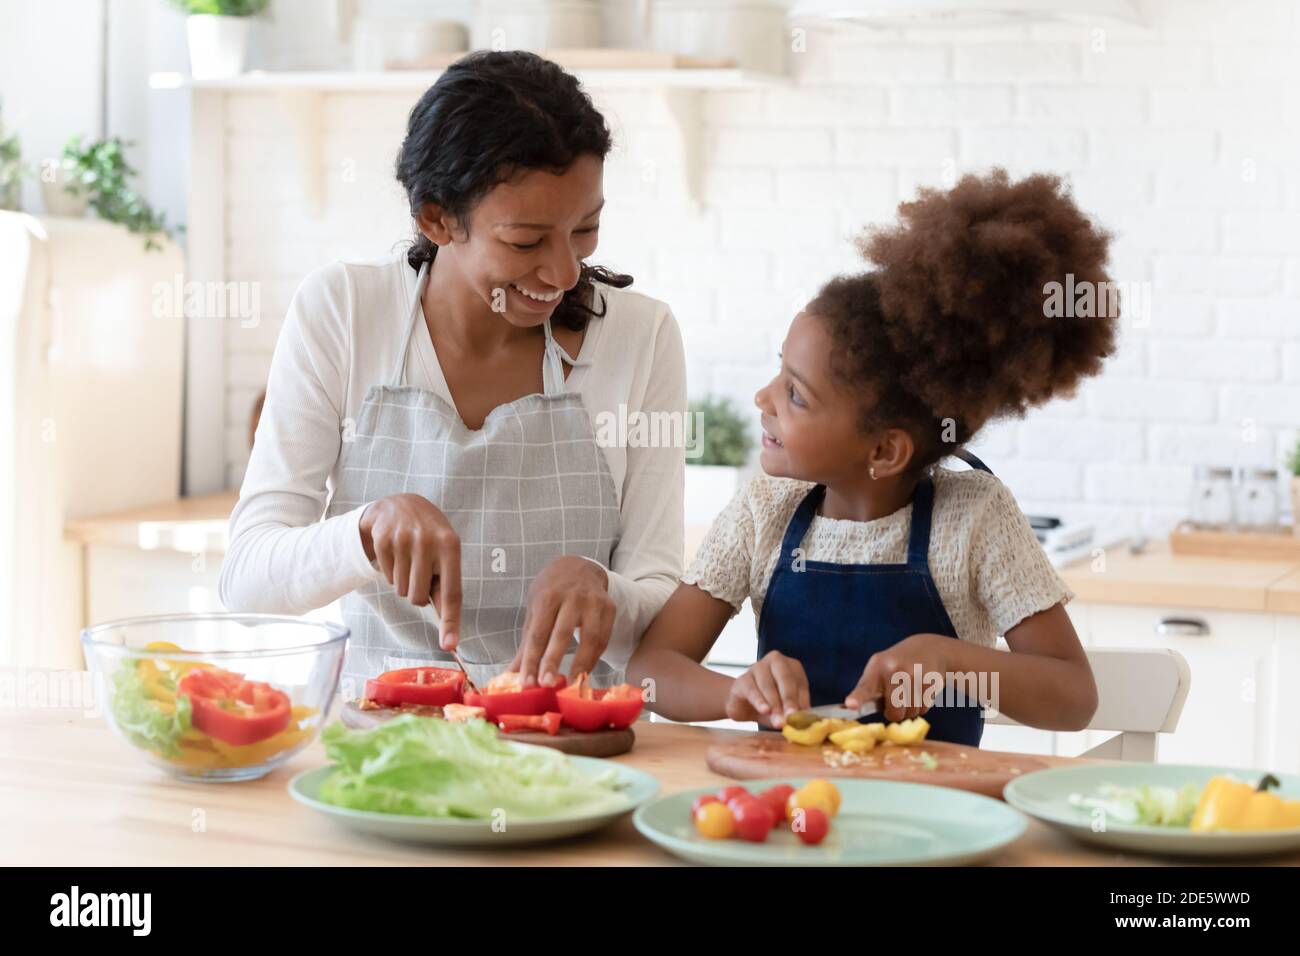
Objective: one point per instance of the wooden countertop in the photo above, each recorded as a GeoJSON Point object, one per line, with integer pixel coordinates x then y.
{"type": "Point", "coordinates": [187, 524]}
{"type": "Point", "coordinates": [72, 794]}
{"type": "Point", "coordinates": [1156, 576]}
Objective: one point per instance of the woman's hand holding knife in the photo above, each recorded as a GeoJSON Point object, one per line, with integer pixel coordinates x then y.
{"type": "Point", "coordinates": [419, 552]}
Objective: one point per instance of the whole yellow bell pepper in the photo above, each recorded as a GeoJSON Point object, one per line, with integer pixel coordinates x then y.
{"type": "Point", "coordinates": [1229, 804]}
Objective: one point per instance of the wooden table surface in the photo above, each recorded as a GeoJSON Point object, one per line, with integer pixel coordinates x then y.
{"type": "Point", "coordinates": [73, 794]}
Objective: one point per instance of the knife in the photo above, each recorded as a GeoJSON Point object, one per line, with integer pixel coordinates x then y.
{"type": "Point", "coordinates": [437, 623]}
{"type": "Point", "coordinates": [802, 719]}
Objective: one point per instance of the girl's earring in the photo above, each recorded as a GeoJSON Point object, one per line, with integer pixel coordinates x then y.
{"type": "Point", "coordinates": [872, 471]}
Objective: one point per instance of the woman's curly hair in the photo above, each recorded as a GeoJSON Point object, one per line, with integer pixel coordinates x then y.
{"type": "Point", "coordinates": [951, 329]}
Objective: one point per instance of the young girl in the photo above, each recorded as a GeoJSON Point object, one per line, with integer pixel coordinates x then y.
{"type": "Point", "coordinates": [873, 572]}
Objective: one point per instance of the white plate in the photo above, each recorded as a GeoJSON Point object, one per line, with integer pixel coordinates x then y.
{"type": "Point", "coordinates": [1045, 794]}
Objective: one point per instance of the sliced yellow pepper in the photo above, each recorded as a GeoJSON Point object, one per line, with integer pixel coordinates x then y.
{"type": "Point", "coordinates": [1229, 804]}
{"type": "Point", "coordinates": [810, 736]}
{"type": "Point", "coordinates": [838, 724]}
{"type": "Point", "coordinates": [857, 745]}
{"type": "Point", "coordinates": [907, 732]}
{"type": "Point", "coordinates": [856, 739]}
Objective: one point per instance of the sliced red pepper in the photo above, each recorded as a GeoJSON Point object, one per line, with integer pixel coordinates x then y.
{"type": "Point", "coordinates": [528, 700]}
{"type": "Point", "coordinates": [233, 710]}
{"type": "Point", "coordinates": [549, 722]}
{"type": "Point", "coordinates": [587, 708]}
{"type": "Point", "coordinates": [430, 686]}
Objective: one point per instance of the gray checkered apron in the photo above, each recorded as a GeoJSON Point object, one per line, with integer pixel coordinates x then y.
{"type": "Point", "coordinates": [529, 486]}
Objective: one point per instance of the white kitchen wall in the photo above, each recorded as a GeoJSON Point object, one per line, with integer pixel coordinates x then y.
{"type": "Point", "coordinates": [1183, 139]}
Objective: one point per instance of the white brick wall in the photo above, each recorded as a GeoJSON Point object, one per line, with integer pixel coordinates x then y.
{"type": "Point", "coordinates": [1183, 139]}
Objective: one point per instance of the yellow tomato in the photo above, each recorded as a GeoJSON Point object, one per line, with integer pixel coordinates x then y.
{"type": "Point", "coordinates": [808, 800]}
{"type": "Point", "coordinates": [715, 822]}
{"type": "Point", "coordinates": [820, 789]}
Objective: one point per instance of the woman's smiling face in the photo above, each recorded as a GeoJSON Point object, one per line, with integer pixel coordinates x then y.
{"type": "Point", "coordinates": [523, 245]}
{"type": "Point", "coordinates": [811, 421]}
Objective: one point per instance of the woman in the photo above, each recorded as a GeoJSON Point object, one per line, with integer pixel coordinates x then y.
{"type": "Point", "coordinates": [442, 407]}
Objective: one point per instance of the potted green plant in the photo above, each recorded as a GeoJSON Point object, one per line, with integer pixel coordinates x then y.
{"type": "Point", "coordinates": [719, 448]}
{"type": "Point", "coordinates": [1293, 465]}
{"type": "Point", "coordinates": [99, 174]}
{"type": "Point", "coordinates": [217, 32]}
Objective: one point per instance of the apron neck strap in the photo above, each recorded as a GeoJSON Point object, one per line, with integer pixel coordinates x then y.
{"type": "Point", "coordinates": [800, 523]}
{"type": "Point", "coordinates": [918, 539]}
{"type": "Point", "coordinates": [971, 460]}
{"type": "Point", "coordinates": [553, 362]}
{"type": "Point", "coordinates": [414, 316]}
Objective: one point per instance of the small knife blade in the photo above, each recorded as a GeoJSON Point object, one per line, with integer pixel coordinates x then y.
{"type": "Point", "coordinates": [437, 623]}
{"type": "Point", "coordinates": [801, 719]}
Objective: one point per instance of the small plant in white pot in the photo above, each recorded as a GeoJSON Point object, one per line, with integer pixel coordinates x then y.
{"type": "Point", "coordinates": [721, 444]}
{"type": "Point", "coordinates": [1293, 466]}
{"type": "Point", "coordinates": [217, 31]}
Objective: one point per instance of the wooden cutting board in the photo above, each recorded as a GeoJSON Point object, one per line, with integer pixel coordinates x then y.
{"type": "Point", "coordinates": [596, 743]}
{"type": "Point", "coordinates": [965, 768]}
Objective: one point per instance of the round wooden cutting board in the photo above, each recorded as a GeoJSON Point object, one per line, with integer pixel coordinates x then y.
{"type": "Point", "coordinates": [596, 743]}
{"type": "Point", "coordinates": [965, 768]}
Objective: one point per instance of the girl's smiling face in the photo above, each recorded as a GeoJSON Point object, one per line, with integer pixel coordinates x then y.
{"type": "Point", "coordinates": [812, 421]}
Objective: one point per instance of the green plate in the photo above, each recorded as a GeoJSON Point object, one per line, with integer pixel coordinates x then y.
{"type": "Point", "coordinates": [1045, 794]}
{"type": "Point", "coordinates": [637, 787]}
{"type": "Point", "coordinates": [880, 823]}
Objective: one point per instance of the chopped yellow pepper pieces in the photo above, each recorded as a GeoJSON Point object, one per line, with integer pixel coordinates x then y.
{"type": "Point", "coordinates": [907, 731]}
{"type": "Point", "coordinates": [1228, 804]}
{"type": "Point", "coordinates": [857, 740]}
{"type": "Point", "coordinates": [810, 736]}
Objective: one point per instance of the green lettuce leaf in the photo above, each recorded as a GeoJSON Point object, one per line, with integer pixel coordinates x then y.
{"type": "Point", "coordinates": [1145, 804]}
{"type": "Point", "coordinates": [422, 766]}
{"type": "Point", "coordinates": [141, 719]}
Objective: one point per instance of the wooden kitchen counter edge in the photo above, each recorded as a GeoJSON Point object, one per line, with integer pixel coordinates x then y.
{"type": "Point", "coordinates": [1157, 577]}
{"type": "Point", "coordinates": [71, 796]}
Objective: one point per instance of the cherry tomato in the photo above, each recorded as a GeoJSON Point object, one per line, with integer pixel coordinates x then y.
{"type": "Point", "coordinates": [701, 800]}
{"type": "Point", "coordinates": [726, 793]}
{"type": "Point", "coordinates": [753, 818]}
{"type": "Point", "coordinates": [715, 822]}
{"type": "Point", "coordinates": [811, 825]}
{"type": "Point", "coordinates": [776, 798]}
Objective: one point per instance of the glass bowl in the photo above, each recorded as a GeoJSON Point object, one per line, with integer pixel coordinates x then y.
{"type": "Point", "coordinates": [216, 696]}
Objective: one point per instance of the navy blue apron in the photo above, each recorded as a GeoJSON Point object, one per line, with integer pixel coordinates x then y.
{"type": "Point", "coordinates": [833, 617]}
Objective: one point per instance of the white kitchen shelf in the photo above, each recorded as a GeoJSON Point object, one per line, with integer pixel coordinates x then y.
{"type": "Point", "coordinates": [398, 81]}
{"type": "Point", "coordinates": [300, 94]}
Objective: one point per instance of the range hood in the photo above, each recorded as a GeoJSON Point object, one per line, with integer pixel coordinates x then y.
{"type": "Point", "coordinates": [969, 13]}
